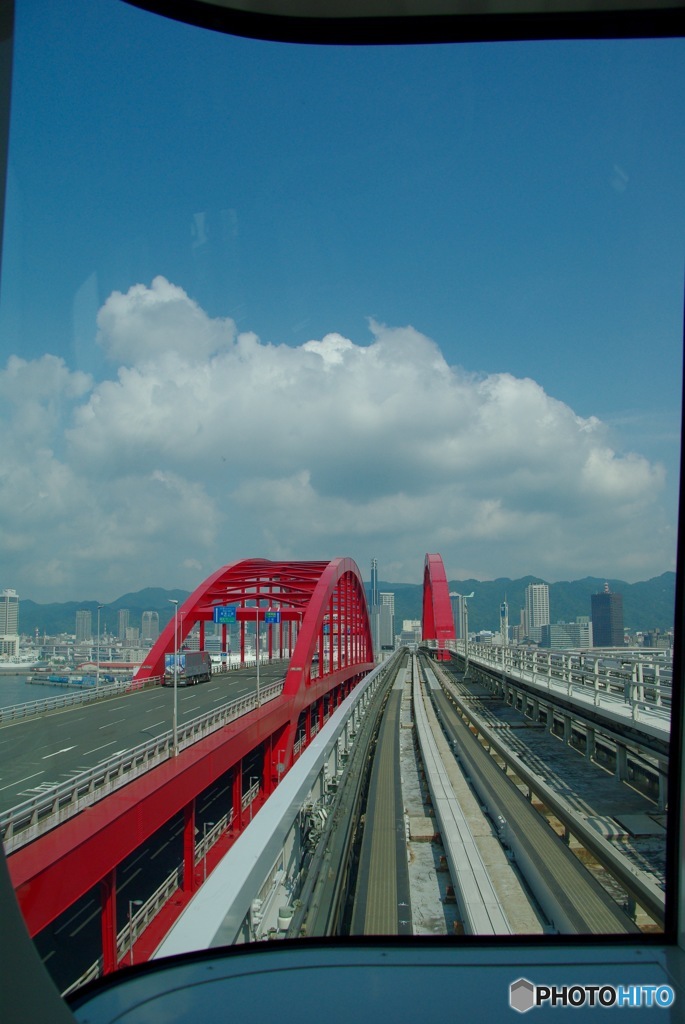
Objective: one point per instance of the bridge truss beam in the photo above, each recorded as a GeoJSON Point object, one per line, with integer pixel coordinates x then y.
{"type": "Point", "coordinates": [437, 619]}
{"type": "Point", "coordinates": [332, 653]}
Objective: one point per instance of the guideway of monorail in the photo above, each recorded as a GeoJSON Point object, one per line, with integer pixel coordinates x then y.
{"type": "Point", "coordinates": [571, 897]}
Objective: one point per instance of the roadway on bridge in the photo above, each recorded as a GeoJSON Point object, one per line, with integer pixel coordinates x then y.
{"type": "Point", "coordinates": [39, 753]}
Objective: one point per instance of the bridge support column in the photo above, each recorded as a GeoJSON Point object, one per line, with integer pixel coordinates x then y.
{"type": "Point", "coordinates": [268, 767]}
{"type": "Point", "coordinates": [621, 762]}
{"type": "Point", "coordinates": [567, 730]}
{"type": "Point", "coordinates": [189, 883]}
{"type": "Point", "coordinates": [108, 920]}
{"type": "Point", "coordinates": [202, 635]}
{"type": "Point", "coordinates": [590, 747]}
{"type": "Point", "coordinates": [550, 718]}
{"type": "Point", "coordinates": [238, 797]}
{"type": "Point", "coordinates": [279, 753]}
{"type": "Point", "coordinates": [663, 791]}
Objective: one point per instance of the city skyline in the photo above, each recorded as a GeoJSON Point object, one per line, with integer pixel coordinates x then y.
{"type": "Point", "coordinates": [649, 605]}
{"type": "Point", "coordinates": [410, 313]}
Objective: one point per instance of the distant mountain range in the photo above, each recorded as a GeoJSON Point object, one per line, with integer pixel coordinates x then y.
{"type": "Point", "coordinates": [646, 605]}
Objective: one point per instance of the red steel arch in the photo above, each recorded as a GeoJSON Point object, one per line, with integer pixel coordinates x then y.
{"type": "Point", "coordinates": [438, 621]}
{"type": "Point", "coordinates": [326, 603]}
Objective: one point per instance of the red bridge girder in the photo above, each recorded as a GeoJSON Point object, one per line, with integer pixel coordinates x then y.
{"type": "Point", "coordinates": [333, 651]}
{"type": "Point", "coordinates": [437, 620]}
{"type": "Point", "coordinates": [311, 597]}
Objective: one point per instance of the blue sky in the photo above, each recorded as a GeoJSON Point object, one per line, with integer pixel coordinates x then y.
{"type": "Point", "coordinates": [310, 302]}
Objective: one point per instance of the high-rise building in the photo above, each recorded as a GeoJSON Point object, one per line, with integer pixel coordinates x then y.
{"type": "Point", "coordinates": [150, 626]}
{"type": "Point", "coordinates": [84, 626]}
{"type": "Point", "coordinates": [536, 610]}
{"type": "Point", "coordinates": [122, 624]}
{"type": "Point", "coordinates": [386, 632]}
{"type": "Point", "coordinates": [607, 618]}
{"type": "Point", "coordinates": [459, 614]}
{"type": "Point", "coordinates": [374, 610]}
{"type": "Point", "coordinates": [561, 636]}
{"type": "Point", "coordinates": [9, 623]}
{"type": "Point", "coordinates": [9, 613]}
{"type": "Point", "coordinates": [504, 622]}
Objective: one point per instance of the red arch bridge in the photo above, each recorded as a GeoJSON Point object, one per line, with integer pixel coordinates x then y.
{"type": "Point", "coordinates": [316, 610]}
{"type": "Point", "coordinates": [437, 619]}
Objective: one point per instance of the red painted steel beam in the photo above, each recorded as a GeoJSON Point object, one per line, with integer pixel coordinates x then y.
{"type": "Point", "coordinates": [287, 586]}
{"type": "Point", "coordinates": [438, 622]}
{"type": "Point", "coordinates": [54, 871]}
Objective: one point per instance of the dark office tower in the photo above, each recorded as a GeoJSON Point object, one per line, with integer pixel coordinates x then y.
{"type": "Point", "coordinates": [374, 583]}
{"type": "Point", "coordinates": [374, 610]}
{"type": "Point", "coordinates": [607, 619]}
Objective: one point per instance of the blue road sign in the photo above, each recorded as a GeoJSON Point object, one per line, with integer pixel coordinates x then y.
{"type": "Point", "coordinates": [225, 613]}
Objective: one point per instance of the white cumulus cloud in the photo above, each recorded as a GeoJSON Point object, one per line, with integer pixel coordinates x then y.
{"type": "Point", "coordinates": [204, 445]}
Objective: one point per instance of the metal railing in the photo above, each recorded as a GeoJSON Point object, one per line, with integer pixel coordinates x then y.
{"type": "Point", "coordinates": [26, 821]}
{"type": "Point", "coordinates": [638, 685]}
{"type": "Point", "coordinates": [18, 712]}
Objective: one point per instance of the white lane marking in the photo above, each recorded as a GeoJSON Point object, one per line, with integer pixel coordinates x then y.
{"type": "Point", "coordinates": [110, 724]}
{"type": "Point", "coordinates": [87, 921]}
{"type": "Point", "coordinates": [154, 725]}
{"type": "Point", "coordinates": [110, 744]}
{"type": "Point", "coordinates": [19, 781]}
{"type": "Point", "coordinates": [56, 752]}
{"type": "Point", "coordinates": [73, 917]}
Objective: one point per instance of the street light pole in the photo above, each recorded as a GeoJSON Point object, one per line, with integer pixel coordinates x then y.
{"type": "Point", "coordinates": [131, 905]}
{"type": "Point", "coordinates": [466, 639]}
{"type": "Point", "coordinates": [175, 713]}
{"type": "Point", "coordinates": [252, 779]}
{"type": "Point", "coordinates": [97, 673]}
{"type": "Point", "coordinates": [209, 824]}
{"type": "Point", "coordinates": [257, 648]}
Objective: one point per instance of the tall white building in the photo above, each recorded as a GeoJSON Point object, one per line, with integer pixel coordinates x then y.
{"type": "Point", "coordinates": [150, 626]}
{"type": "Point", "coordinates": [460, 614]}
{"type": "Point", "coordinates": [386, 626]}
{"type": "Point", "coordinates": [84, 626]}
{"type": "Point", "coordinates": [9, 623]}
{"type": "Point", "coordinates": [123, 621]}
{"type": "Point", "coordinates": [537, 610]}
{"type": "Point", "coordinates": [9, 613]}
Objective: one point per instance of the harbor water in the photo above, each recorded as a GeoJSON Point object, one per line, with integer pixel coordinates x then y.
{"type": "Point", "coordinates": [16, 690]}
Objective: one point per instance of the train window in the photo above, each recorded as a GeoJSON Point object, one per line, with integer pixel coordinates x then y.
{"type": "Point", "coordinates": [297, 301]}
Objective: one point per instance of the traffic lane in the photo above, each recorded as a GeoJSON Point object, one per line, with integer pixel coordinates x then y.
{"type": "Point", "coordinates": [45, 752]}
{"type": "Point", "coordinates": [45, 759]}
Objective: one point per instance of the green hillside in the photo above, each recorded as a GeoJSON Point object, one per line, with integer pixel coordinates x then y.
{"type": "Point", "coordinates": [646, 605]}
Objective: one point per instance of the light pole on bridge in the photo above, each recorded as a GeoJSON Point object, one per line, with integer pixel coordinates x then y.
{"type": "Point", "coordinates": [174, 725]}
{"type": "Point", "coordinates": [97, 671]}
{"type": "Point", "coordinates": [131, 905]}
